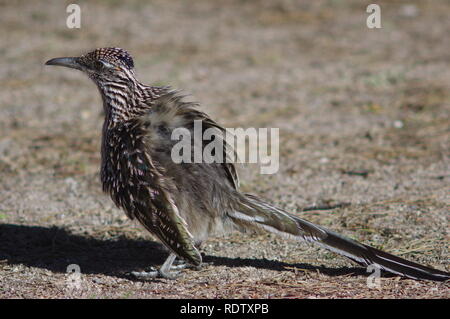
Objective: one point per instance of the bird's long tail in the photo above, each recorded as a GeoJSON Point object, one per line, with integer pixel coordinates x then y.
{"type": "Point", "coordinates": [252, 211]}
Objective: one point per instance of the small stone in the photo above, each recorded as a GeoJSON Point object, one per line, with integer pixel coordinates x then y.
{"type": "Point", "coordinates": [398, 124]}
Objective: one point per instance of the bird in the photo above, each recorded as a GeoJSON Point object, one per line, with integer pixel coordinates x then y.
{"type": "Point", "coordinates": [183, 204]}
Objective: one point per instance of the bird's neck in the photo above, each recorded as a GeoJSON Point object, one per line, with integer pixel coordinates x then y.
{"type": "Point", "coordinates": [122, 101]}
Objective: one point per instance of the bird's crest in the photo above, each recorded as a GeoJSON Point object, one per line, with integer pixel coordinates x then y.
{"type": "Point", "coordinates": [114, 55]}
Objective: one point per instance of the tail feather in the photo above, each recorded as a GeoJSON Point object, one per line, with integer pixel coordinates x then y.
{"type": "Point", "coordinates": [253, 212]}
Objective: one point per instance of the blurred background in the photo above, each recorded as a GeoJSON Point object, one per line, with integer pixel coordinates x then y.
{"type": "Point", "coordinates": [363, 117]}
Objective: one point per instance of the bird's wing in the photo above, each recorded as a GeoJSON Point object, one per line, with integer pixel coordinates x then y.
{"type": "Point", "coordinates": [165, 221]}
{"type": "Point", "coordinates": [172, 108]}
{"type": "Point", "coordinates": [145, 193]}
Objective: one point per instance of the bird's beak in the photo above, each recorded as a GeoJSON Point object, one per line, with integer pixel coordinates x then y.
{"type": "Point", "coordinates": [69, 62]}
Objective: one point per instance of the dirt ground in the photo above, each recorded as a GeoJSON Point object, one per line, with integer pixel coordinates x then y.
{"type": "Point", "coordinates": [363, 117]}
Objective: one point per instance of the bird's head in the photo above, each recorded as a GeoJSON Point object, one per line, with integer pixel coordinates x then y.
{"type": "Point", "coordinates": [101, 65]}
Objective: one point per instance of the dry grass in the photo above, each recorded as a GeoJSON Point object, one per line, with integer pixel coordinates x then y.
{"type": "Point", "coordinates": [346, 99]}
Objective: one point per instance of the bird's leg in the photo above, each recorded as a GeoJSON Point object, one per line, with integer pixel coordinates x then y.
{"type": "Point", "coordinates": [163, 272]}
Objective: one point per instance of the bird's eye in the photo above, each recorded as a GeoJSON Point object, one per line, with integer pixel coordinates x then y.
{"type": "Point", "coordinates": [100, 65]}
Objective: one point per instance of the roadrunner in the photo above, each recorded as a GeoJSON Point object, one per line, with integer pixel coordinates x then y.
{"type": "Point", "coordinates": [183, 204]}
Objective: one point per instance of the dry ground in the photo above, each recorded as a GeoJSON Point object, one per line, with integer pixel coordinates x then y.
{"type": "Point", "coordinates": [346, 98]}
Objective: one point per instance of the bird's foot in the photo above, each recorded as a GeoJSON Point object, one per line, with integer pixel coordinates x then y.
{"type": "Point", "coordinates": [169, 270]}
{"type": "Point", "coordinates": [181, 264]}
{"type": "Point", "coordinates": [173, 273]}
{"type": "Point", "coordinates": [156, 273]}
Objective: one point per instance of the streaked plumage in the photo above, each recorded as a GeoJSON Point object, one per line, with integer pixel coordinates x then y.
{"type": "Point", "coordinates": [183, 204]}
